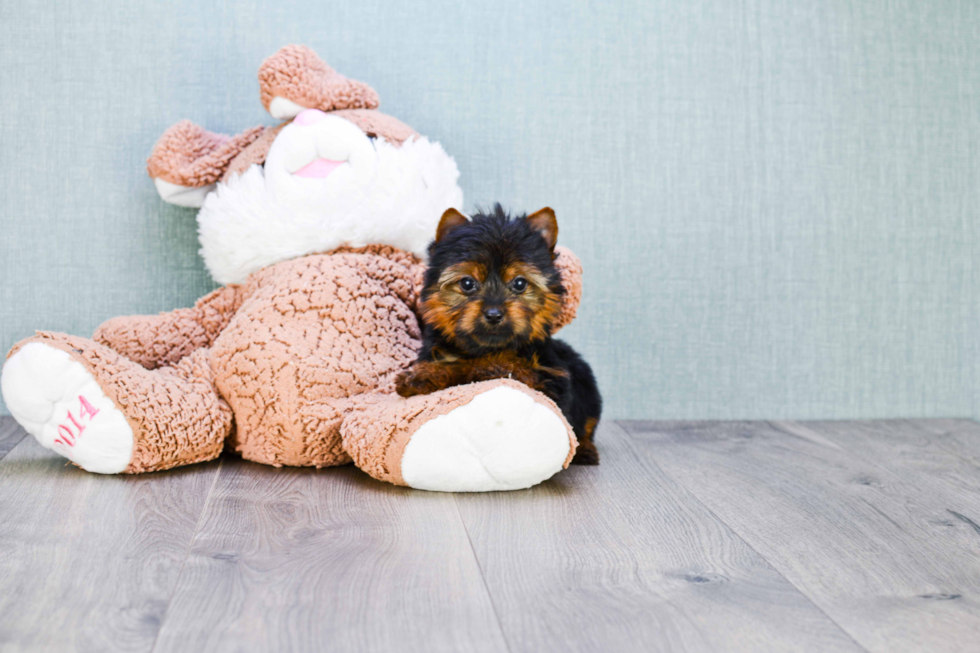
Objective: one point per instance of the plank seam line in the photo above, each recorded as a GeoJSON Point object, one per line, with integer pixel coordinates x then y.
{"type": "Point", "coordinates": [483, 579]}
{"type": "Point", "coordinates": [966, 456]}
{"type": "Point", "coordinates": [872, 463]}
{"type": "Point", "coordinates": [17, 427]}
{"type": "Point", "coordinates": [187, 553]}
{"type": "Point", "coordinates": [649, 460]}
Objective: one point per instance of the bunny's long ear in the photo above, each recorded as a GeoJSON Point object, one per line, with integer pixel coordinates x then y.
{"type": "Point", "coordinates": [294, 79]}
{"type": "Point", "coordinates": [188, 160]}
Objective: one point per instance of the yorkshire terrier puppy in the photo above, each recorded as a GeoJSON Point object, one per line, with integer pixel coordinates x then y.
{"type": "Point", "coordinates": [491, 296]}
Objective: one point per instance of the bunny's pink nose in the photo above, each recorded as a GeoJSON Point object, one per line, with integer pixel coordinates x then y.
{"type": "Point", "coordinates": [309, 117]}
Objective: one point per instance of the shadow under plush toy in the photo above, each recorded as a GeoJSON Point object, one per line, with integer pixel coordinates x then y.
{"type": "Point", "coordinates": [293, 362]}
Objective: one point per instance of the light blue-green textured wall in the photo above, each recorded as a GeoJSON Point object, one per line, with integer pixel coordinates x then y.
{"type": "Point", "coordinates": [775, 201]}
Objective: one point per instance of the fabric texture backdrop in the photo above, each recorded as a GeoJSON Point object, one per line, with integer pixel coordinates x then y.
{"type": "Point", "coordinates": [775, 202]}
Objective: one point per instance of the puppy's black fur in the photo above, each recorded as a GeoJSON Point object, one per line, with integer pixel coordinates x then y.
{"type": "Point", "coordinates": [492, 295]}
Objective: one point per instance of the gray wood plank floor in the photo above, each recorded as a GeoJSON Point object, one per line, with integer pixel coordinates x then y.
{"type": "Point", "coordinates": [691, 536]}
{"type": "Point", "coordinates": [876, 550]}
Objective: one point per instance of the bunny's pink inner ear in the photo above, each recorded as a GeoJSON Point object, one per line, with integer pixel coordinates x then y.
{"type": "Point", "coordinates": [295, 78]}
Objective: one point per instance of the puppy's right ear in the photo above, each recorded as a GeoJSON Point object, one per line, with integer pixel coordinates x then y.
{"type": "Point", "coordinates": [450, 220]}
{"type": "Point", "coordinates": [544, 221]}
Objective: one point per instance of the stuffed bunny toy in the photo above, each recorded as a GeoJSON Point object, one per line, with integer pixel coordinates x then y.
{"type": "Point", "coordinates": [318, 228]}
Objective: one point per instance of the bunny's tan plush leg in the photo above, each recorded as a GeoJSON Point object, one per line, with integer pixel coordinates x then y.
{"type": "Point", "coordinates": [158, 340]}
{"type": "Point", "coordinates": [108, 414]}
{"type": "Point", "coordinates": [493, 435]}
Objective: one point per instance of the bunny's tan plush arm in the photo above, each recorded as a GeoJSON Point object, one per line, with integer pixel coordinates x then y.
{"type": "Point", "coordinates": [159, 340]}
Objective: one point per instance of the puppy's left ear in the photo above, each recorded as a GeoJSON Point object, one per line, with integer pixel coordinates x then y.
{"type": "Point", "coordinates": [449, 221]}
{"type": "Point", "coordinates": [545, 222]}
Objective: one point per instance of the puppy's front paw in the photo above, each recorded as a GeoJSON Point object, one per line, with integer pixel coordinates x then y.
{"type": "Point", "coordinates": [414, 381]}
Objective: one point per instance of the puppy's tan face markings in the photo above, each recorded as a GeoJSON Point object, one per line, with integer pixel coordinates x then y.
{"type": "Point", "coordinates": [450, 306]}
{"type": "Point", "coordinates": [456, 304]}
{"type": "Point", "coordinates": [534, 309]}
{"type": "Point", "coordinates": [452, 275]}
{"type": "Point", "coordinates": [521, 269]}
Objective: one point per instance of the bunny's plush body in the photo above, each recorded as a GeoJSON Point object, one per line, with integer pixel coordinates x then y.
{"type": "Point", "coordinates": [318, 228]}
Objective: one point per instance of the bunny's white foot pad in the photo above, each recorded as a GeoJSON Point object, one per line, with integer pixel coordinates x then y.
{"type": "Point", "coordinates": [58, 401]}
{"type": "Point", "coordinates": [501, 440]}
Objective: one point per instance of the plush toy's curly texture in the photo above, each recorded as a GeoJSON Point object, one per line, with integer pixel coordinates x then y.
{"type": "Point", "coordinates": [157, 340]}
{"type": "Point", "coordinates": [296, 73]}
{"type": "Point", "coordinates": [377, 124]}
{"type": "Point", "coordinates": [294, 349]}
{"type": "Point", "coordinates": [300, 345]}
{"type": "Point", "coordinates": [310, 334]}
{"type": "Point", "coordinates": [255, 153]}
{"type": "Point", "coordinates": [189, 155]}
{"type": "Point", "coordinates": [159, 405]}
{"type": "Point", "coordinates": [570, 268]}
{"type": "Point", "coordinates": [275, 367]}
{"type": "Point", "coordinates": [376, 435]}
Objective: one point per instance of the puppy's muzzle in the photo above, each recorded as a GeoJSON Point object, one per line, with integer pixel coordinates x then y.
{"type": "Point", "coordinates": [493, 315]}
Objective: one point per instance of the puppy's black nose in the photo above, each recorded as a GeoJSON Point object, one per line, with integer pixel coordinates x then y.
{"type": "Point", "coordinates": [493, 314]}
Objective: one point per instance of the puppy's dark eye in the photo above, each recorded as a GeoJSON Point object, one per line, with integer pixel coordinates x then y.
{"type": "Point", "coordinates": [518, 285]}
{"type": "Point", "coordinates": [467, 285]}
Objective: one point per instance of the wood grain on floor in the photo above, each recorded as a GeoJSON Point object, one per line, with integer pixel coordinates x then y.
{"type": "Point", "coordinates": [877, 550]}
{"type": "Point", "coordinates": [89, 562]}
{"type": "Point", "coordinates": [749, 536]}
{"type": "Point", "coordinates": [619, 557]}
{"type": "Point", "coordinates": [10, 435]}
{"type": "Point", "coordinates": [329, 560]}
